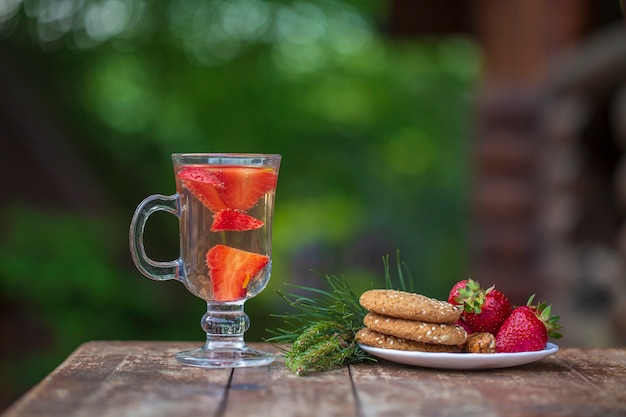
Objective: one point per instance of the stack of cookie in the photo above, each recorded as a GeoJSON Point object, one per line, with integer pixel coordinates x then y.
{"type": "Point", "coordinates": [407, 321]}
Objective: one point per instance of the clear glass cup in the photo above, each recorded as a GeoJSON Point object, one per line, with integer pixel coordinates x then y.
{"type": "Point", "coordinates": [225, 206]}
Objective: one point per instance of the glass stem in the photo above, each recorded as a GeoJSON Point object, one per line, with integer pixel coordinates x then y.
{"type": "Point", "coordinates": [225, 325]}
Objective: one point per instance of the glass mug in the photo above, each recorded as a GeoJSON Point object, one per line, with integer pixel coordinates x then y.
{"type": "Point", "coordinates": [225, 206]}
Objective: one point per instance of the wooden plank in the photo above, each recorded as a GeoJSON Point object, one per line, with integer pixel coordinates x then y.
{"type": "Point", "coordinates": [604, 370]}
{"type": "Point", "coordinates": [151, 382]}
{"type": "Point", "coordinates": [63, 390]}
{"type": "Point", "coordinates": [276, 391]}
{"type": "Point", "coordinates": [124, 379]}
{"type": "Point", "coordinates": [103, 379]}
{"type": "Point", "coordinates": [544, 388]}
{"type": "Point", "coordinates": [389, 389]}
{"type": "Point", "coordinates": [573, 383]}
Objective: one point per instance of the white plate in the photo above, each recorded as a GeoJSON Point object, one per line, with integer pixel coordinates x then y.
{"type": "Point", "coordinates": [461, 360]}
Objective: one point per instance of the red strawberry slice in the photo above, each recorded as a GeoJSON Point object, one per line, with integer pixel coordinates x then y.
{"type": "Point", "coordinates": [243, 186]}
{"type": "Point", "coordinates": [231, 271]}
{"type": "Point", "coordinates": [235, 221]}
{"type": "Point", "coordinates": [204, 184]}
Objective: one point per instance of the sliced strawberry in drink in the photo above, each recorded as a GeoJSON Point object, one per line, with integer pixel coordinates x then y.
{"type": "Point", "coordinates": [243, 186]}
{"type": "Point", "coordinates": [204, 184]}
{"type": "Point", "coordinates": [235, 221]}
{"type": "Point", "coordinates": [231, 270]}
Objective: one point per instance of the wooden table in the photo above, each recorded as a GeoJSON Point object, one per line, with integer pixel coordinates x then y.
{"type": "Point", "coordinates": [142, 379]}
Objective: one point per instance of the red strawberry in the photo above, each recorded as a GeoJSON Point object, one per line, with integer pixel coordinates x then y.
{"type": "Point", "coordinates": [234, 220]}
{"type": "Point", "coordinates": [483, 310]}
{"type": "Point", "coordinates": [493, 311]}
{"type": "Point", "coordinates": [220, 187]}
{"type": "Point", "coordinates": [204, 184]}
{"type": "Point", "coordinates": [527, 329]}
{"type": "Point", "coordinates": [243, 186]}
{"type": "Point", "coordinates": [231, 270]}
{"type": "Point", "coordinates": [454, 292]}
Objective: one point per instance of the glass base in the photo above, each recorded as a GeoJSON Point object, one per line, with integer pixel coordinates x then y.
{"type": "Point", "coordinates": [227, 357]}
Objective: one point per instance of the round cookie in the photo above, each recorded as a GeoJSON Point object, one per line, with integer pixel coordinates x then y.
{"type": "Point", "coordinates": [410, 306]}
{"type": "Point", "coordinates": [436, 333]}
{"type": "Point", "coordinates": [372, 338]}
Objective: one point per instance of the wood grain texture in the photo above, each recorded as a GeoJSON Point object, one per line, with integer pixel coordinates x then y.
{"type": "Point", "coordinates": [143, 379]}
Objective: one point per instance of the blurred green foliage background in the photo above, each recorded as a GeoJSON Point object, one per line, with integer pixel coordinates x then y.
{"type": "Point", "coordinates": [373, 132]}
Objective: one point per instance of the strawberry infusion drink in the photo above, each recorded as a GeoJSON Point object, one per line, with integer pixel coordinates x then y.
{"type": "Point", "coordinates": [229, 208]}
{"type": "Point", "coordinates": [225, 206]}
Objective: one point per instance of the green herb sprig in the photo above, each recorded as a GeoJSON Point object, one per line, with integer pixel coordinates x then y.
{"type": "Point", "coordinates": [321, 330]}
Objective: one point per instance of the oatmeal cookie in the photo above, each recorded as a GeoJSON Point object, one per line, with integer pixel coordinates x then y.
{"type": "Point", "coordinates": [409, 306]}
{"type": "Point", "coordinates": [436, 333]}
{"type": "Point", "coordinates": [372, 338]}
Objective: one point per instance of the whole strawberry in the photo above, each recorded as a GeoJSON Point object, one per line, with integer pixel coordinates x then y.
{"type": "Point", "coordinates": [484, 310]}
{"type": "Point", "coordinates": [489, 316]}
{"type": "Point", "coordinates": [454, 292]}
{"type": "Point", "coordinates": [527, 329]}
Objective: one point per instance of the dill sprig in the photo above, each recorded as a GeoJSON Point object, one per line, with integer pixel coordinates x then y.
{"type": "Point", "coordinates": [338, 304]}
{"type": "Point", "coordinates": [321, 329]}
{"type": "Point", "coordinates": [403, 284]}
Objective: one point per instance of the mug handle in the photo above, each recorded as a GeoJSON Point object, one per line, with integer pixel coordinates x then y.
{"type": "Point", "coordinates": [156, 270]}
